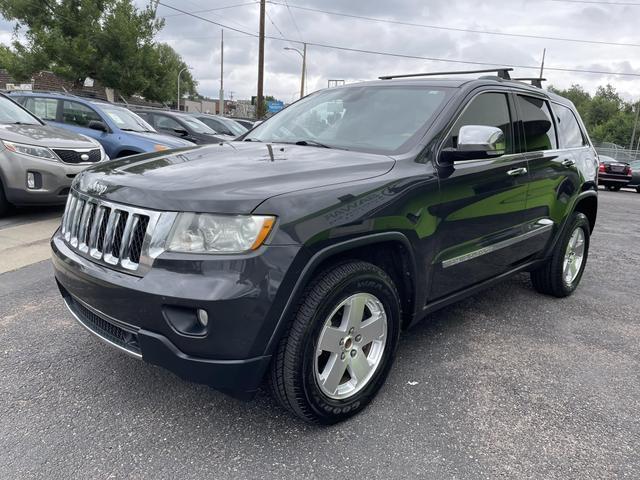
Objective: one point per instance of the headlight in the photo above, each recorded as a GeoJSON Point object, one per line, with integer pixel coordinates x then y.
{"type": "Point", "coordinates": [206, 233]}
{"type": "Point", "coordinates": [160, 148]}
{"type": "Point", "coordinates": [30, 150]}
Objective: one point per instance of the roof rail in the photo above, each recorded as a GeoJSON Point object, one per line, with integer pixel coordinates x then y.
{"type": "Point", "coordinates": [502, 73]}
{"type": "Point", "coordinates": [535, 81]}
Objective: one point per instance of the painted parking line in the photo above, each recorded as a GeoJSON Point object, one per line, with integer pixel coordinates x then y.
{"type": "Point", "coordinates": [23, 245]}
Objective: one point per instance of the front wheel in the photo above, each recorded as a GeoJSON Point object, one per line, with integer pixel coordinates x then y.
{"type": "Point", "coordinates": [4, 204]}
{"type": "Point", "coordinates": [561, 274]}
{"type": "Point", "coordinates": [340, 345]}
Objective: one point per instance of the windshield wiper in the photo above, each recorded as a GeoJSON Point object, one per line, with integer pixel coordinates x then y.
{"type": "Point", "coordinates": [20, 123]}
{"type": "Point", "coordinates": [310, 142]}
{"type": "Point", "coordinates": [251, 140]}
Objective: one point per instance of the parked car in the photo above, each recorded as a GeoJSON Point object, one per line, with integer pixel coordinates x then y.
{"type": "Point", "coordinates": [182, 125]}
{"type": "Point", "coordinates": [635, 175]}
{"type": "Point", "coordinates": [298, 254]}
{"type": "Point", "coordinates": [38, 161]}
{"type": "Point", "coordinates": [248, 124]}
{"type": "Point", "coordinates": [120, 131]}
{"type": "Point", "coordinates": [613, 174]}
{"type": "Point", "coordinates": [222, 125]}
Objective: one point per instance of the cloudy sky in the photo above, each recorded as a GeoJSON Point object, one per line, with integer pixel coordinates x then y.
{"type": "Point", "coordinates": [199, 41]}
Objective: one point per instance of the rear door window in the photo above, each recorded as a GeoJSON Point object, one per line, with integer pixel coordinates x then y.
{"type": "Point", "coordinates": [44, 108]}
{"type": "Point", "coordinates": [78, 114]}
{"type": "Point", "coordinates": [569, 131]}
{"type": "Point", "coordinates": [537, 124]}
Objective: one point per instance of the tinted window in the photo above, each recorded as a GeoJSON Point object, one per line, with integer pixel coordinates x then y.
{"type": "Point", "coordinates": [78, 114]}
{"type": "Point", "coordinates": [196, 125]}
{"type": "Point", "coordinates": [539, 131]}
{"type": "Point", "coordinates": [379, 119]}
{"type": "Point", "coordinates": [569, 131]}
{"type": "Point", "coordinates": [487, 109]}
{"type": "Point", "coordinates": [44, 108]}
{"type": "Point", "coordinates": [167, 123]}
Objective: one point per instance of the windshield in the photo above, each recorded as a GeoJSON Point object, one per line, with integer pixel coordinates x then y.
{"type": "Point", "coordinates": [378, 119]}
{"type": "Point", "coordinates": [234, 126]}
{"type": "Point", "coordinates": [126, 119]}
{"type": "Point", "coordinates": [196, 125]}
{"type": "Point", "coordinates": [10, 112]}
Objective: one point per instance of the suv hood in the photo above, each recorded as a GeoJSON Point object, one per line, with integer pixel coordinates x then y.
{"type": "Point", "coordinates": [226, 178]}
{"type": "Point", "coordinates": [45, 136]}
{"type": "Point", "coordinates": [172, 142]}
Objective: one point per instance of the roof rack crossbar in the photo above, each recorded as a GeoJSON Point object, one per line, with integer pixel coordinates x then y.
{"type": "Point", "coordinates": [502, 73]}
{"type": "Point", "coordinates": [535, 81]}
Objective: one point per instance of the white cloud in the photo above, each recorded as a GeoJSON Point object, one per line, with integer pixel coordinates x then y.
{"type": "Point", "coordinates": [198, 41]}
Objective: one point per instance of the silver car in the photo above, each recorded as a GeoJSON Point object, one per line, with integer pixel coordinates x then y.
{"type": "Point", "coordinates": [38, 161]}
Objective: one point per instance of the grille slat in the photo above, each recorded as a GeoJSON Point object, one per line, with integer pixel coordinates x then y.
{"type": "Point", "coordinates": [112, 234]}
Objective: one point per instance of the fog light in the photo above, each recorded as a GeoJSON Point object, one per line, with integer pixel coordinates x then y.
{"type": "Point", "coordinates": [203, 317]}
{"type": "Point", "coordinates": [31, 180]}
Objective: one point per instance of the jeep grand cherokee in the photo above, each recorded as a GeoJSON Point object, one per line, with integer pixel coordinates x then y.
{"type": "Point", "coordinates": [297, 254]}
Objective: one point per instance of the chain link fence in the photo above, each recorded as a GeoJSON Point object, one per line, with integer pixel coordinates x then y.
{"type": "Point", "coordinates": [617, 152]}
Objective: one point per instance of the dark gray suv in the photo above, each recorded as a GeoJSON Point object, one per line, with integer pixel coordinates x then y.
{"type": "Point", "coordinates": [297, 254]}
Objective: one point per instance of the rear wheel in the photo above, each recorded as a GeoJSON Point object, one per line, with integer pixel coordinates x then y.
{"type": "Point", "coordinates": [561, 274]}
{"type": "Point", "coordinates": [340, 346]}
{"type": "Point", "coordinates": [613, 188]}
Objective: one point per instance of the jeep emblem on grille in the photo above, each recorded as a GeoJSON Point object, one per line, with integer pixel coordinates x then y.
{"type": "Point", "coordinates": [84, 157]}
{"type": "Point", "coordinates": [97, 188]}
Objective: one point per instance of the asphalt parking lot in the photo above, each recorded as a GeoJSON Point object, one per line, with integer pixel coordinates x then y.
{"type": "Point", "coordinates": [507, 384]}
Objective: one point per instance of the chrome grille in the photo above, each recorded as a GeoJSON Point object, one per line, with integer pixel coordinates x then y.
{"type": "Point", "coordinates": [112, 234]}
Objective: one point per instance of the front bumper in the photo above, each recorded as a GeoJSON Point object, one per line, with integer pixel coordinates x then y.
{"type": "Point", "coordinates": [242, 296]}
{"type": "Point", "coordinates": [54, 179]}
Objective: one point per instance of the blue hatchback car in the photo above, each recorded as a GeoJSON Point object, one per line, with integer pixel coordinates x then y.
{"type": "Point", "coordinates": [120, 131]}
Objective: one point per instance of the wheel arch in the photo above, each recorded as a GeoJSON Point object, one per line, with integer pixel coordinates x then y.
{"type": "Point", "coordinates": [391, 251]}
{"type": "Point", "coordinates": [588, 205]}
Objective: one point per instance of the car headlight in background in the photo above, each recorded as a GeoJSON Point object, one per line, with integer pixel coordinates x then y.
{"type": "Point", "coordinates": [31, 150]}
{"type": "Point", "coordinates": [160, 148]}
{"type": "Point", "coordinates": [208, 233]}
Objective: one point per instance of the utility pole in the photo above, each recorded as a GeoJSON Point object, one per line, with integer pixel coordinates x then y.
{"type": "Point", "coordinates": [635, 126]}
{"type": "Point", "coordinates": [304, 68]}
{"type": "Point", "coordinates": [260, 99]}
{"type": "Point", "coordinates": [221, 106]}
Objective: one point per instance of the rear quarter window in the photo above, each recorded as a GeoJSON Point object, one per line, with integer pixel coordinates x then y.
{"type": "Point", "coordinates": [569, 131]}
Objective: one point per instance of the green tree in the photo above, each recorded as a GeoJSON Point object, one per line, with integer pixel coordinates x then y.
{"type": "Point", "coordinates": [607, 116]}
{"type": "Point", "coordinates": [111, 41]}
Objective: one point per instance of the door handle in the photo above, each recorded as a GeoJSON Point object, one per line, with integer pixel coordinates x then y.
{"type": "Point", "coordinates": [567, 162]}
{"type": "Point", "coordinates": [517, 171]}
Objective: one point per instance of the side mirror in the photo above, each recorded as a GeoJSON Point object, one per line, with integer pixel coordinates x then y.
{"type": "Point", "coordinates": [98, 125]}
{"type": "Point", "coordinates": [477, 141]}
{"type": "Point", "coordinates": [181, 131]}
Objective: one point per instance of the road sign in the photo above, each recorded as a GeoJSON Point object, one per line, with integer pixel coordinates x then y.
{"type": "Point", "coordinates": [273, 107]}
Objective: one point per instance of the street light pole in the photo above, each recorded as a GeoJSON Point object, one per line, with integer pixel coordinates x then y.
{"type": "Point", "coordinates": [180, 73]}
{"type": "Point", "coordinates": [303, 54]}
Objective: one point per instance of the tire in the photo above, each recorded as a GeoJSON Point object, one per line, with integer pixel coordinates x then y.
{"type": "Point", "coordinates": [4, 204]}
{"type": "Point", "coordinates": [638, 189]}
{"type": "Point", "coordinates": [295, 379]}
{"type": "Point", "coordinates": [551, 278]}
{"type": "Point", "coordinates": [613, 188]}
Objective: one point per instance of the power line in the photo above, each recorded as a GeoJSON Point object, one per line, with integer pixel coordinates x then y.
{"type": "Point", "coordinates": [408, 56]}
{"type": "Point", "coordinates": [454, 29]}
{"type": "Point", "coordinates": [295, 24]}
{"type": "Point", "coordinates": [598, 2]}
{"type": "Point", "coordinates": [214, 9]}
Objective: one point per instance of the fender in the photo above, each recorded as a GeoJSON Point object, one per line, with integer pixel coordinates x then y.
{"type": "Point", "coordinates": [325, 253]}
{"type": "Point", "coordinates": [581, 196]}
